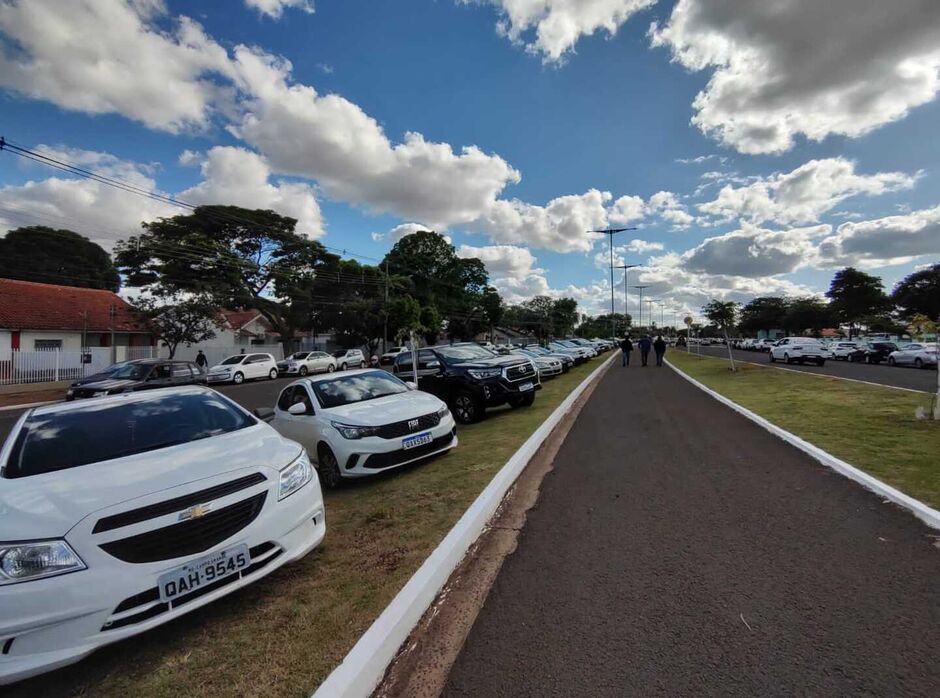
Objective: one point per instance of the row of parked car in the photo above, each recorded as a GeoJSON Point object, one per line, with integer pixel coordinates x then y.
{"type": "Point", "coordinates": [807, 349]}
{"type": "Point", "coordinates": [124, 511]}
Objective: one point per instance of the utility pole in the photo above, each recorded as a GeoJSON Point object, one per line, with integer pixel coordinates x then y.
{"type": "Point", "coordinates": [112, 314]}
{"type": "Point", "coordinates": [610, 232]}
{"type": "Point", "coordinates": [641, 302]}
{"type": "Point", "coordinates": [650, 301]}
{"type": "Point", "coordinates": [626, 305]}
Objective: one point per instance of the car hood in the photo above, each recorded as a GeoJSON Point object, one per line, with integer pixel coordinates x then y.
{"type": "Point", "coordinates": [386, 410]}
{"type": "Point", "coordinates": [109, 384]}
{"type": "Point", "coordinates": [49, 505]}
{"type": "Point", "coordinates": [494, 362]}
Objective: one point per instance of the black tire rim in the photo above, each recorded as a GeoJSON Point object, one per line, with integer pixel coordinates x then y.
{"type": "Point", "coordinates": [464, 408]}
{"type": "Point", "coordinates": [330, 368]}
{"type": "Point", "coordinates": [329, 469]}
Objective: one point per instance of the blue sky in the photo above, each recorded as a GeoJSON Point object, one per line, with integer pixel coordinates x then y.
{"type": "Point", "coordinates": [815, 130]}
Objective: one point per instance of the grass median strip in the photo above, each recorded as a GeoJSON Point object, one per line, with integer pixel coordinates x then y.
{"type": "Point", "coordinates": [283, 635]}
{"type": "Point", "coordinates": [870, 427]}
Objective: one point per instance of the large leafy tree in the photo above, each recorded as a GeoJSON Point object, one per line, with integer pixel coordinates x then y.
{"type": "Point", "coordinates": [764, 313]}
{"type": "Point", "coordinates": [856, 295]}
{"type": "Point", "coordinates": [565, 317]}
{"type": "Point", "coordinates": [176, 319]}
{"type": "Point", "coordinates": [47, 255]}
{"type": "Point", "coordinates": [493, 308]}
{"type": "Point", "coordinates": [919, 293]}
{"type": "Point", "coordinates": [809, 313]}
{"type": "Point", "coordinates": [239, 258]}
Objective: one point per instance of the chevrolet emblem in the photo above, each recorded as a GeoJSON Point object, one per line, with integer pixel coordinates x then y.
{"type": "Point", "coordinates": [196, 512]}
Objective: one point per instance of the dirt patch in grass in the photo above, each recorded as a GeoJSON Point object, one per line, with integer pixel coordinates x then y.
{"type": "Point", "coordinates": [872, 428]}
{"type": "Point", "coordinates": [283, 635]}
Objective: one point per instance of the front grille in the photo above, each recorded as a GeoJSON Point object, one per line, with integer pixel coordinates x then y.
{"type": "Point", "coordinates": [397, 429]}
{"type": "Point", "coordinates": [386, 460]}
{"type": "Point", "coordinates": [187, 537]}
{"type": "Point", "coordinates": [520, 372]}
{"type": "Point", "coordinates": [126, 518]}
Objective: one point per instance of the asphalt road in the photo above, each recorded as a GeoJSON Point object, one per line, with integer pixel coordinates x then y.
{"type": "Point", "coordinates": [897, 376]}
{"type": "Point", "coordinates": [679, 549]}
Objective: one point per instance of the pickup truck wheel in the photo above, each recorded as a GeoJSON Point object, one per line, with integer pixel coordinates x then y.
{"type": "Point", "coordinates": [328, 469]}
{"type": "Point", "coordinates": [303, 370]}
{"type": "Point", "coordinates": [522, 400]}
{"type": "Point", "coordinates": [467, 409]}
{"type": "Point", "coordinates": [238, 378]}
{"type": "Point", "coordinates": [918, 363]}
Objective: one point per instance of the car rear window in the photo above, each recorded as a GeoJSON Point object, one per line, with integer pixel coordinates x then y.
{"type": "Point", "coordinates": [103, 431]}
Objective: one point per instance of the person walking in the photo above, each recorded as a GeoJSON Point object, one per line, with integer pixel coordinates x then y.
{"type": "Point", "coordinates": [626, 346]}
{"type": "Point", "coordinates": [645, 345]}
{"type": "Point", "coordinates": [659, 346]}
{"type": "Point", "coordinates": [201, 361]}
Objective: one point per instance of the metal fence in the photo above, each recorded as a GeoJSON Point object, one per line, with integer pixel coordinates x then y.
{"type": "Point", "coordinates": [53, 365]}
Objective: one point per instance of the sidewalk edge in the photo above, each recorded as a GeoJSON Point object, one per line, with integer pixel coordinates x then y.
{"type": "Point", "coordinates": [929, 516]}
{"type": "Point", "coordinates": [363, 667]}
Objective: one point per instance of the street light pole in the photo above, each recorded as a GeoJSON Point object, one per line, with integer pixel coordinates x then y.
{"type": "Point", "coordinates": [610, 232]}
{"type": "Point", "coordinates": [626, 305]}
{"type": "Point", "coordinates": [650, 301]}
{"type": "Point", "coordinates": [640, 305]}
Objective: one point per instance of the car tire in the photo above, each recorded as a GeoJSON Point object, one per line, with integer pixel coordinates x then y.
{"type": "Point", "coordinates": [918, 363]}
{"type": "Point", "coordinates": [328, 468]}
{"type": "Point", "coordinates": [238, 378]}
{"type": "Point", "coordinates": [331, 368]}
{"type": "Point", "coordinates": [303, 371]}
{"type": "Point", "coordinates": [466, 408]}
{"type": "Point", "coordinates": [343, 366]}
{"type": "Point", "coordinates": [786, 358]}
{"type": "Point", "coordinates": [362, 364]}
{"type": "Point", "coordinates": [272, 374]}
{"type": "Point", "coordinates": [891, 361]}
{"type": "Point", "coordinates": [523, 400]}
{"type": "Point", "coordinates": [773, 359]}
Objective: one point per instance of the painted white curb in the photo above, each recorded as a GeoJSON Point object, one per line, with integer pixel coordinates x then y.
{"type": "Point", "coordinates": [929, 516]}
{"type": "Point", "coordinates": [363, 668]}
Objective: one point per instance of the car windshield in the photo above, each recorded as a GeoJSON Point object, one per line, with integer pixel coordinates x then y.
{"type": "Point", "coordinates": [237, 359]}
{"type": "Point", "coordinates": [459, 353]}
{"type": "Point", "coordinates": [300, 355]}
{"type": "Point", "coordinates": [104, 431]}
{"type": "Point", "coordinates": [135, 372]}
{"type": "Point", "coordinates": [360, 387]}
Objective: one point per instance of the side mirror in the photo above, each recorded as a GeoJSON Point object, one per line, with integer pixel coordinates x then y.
{"type": "Point", "coordinates": [265, 414]}
{"type": "Point", "coordinates": [297, 409]}
{"type": "Point", "coordinates": [411, 385]}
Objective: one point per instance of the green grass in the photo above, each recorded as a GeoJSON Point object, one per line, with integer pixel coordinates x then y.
{"type": "Point", "coordinates": [283, 635]}
{"type": "Point", "coordinates": [870, 427]}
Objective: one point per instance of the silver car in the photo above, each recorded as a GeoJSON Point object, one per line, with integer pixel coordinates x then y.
{"type": "Point", "coordinates": [916, 354]}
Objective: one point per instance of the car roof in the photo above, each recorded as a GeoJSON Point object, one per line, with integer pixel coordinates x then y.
{"type": "Point", "coordinates": [139, 397]}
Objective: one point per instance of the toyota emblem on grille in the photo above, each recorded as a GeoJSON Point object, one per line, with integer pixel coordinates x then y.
{"type": "Point", "coordinates": [196, 512]}
{"type": "Point", "coordinates": [413, 423]}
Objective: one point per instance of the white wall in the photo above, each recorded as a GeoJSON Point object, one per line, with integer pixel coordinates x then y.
{"type": "Point", "coordinates": [71, 341]}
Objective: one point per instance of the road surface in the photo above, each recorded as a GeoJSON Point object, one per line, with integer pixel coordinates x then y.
{"type": "Point", "coordinates": [679, 549]}
{"type": "Point", "coordinates": [896, 376]}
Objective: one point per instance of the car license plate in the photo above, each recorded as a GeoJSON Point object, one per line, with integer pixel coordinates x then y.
{"type": "Point", "coordinates": [416, 440]}
{"type": "Point", "coordinates": [525, 387]}
{"type": "Point", "coordinates": [203, 571]}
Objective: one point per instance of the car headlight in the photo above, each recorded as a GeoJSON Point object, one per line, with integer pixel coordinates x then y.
{"type": "Point", "coordinates": [484, 373]}
{"type": "Point", "coordinates": [295, 476]}
{"type": "Point", "coordinates": [20, 562]}
{"type": "Point", "coordinates": [443, 412]}
{"type": "Point", "coordinates": [352, 431]}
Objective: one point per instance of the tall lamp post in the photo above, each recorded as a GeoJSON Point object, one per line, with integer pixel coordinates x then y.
{"type": "Point", "coordinates": [610, 232]}
{"type": "Point", "coordinates": [626, 305]}
{"type": "Point", "coordinates": [640, 305]}
{"type": "Point", "coordinates": [650, 302]}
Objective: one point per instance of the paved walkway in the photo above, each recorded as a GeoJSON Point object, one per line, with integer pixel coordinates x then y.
{"type": "Point", "coordinates": [678, 549]}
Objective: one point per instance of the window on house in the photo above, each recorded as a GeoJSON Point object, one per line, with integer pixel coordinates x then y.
{"type": "Point", "coordinates": [47, 344]}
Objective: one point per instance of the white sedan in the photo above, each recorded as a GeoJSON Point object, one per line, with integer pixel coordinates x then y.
{"type": "Point", "coordinates": [303, 362]}
{"type": "Point", "coordinates": [916, 354]}
{"type": "Point", "coordinates": [241, 367]}
{"type": "Point", "coordinates": [363, 422]}
{"type": "Point", "coordinates": [800, 350]}
{"type": "Point", "coordinates": [120, 514]}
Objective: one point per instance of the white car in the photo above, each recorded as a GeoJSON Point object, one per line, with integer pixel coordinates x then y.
{"type": "Point", "coordinates": [303, 362]}
{"type": "Point", "coordinates": [799, 349]}
{"type": "Point", "coordinates": [581, 353]}
{"type": "Point", "coordinates": [916, 354]}
{"type": "Point", "coordinates": [388, 358]}
{"type": "Point", "coordinates": [120, 514]}
{"type": "Point", "coordinates": [547, 366]}
{"type": "Point", "coordinates": [349, 358]}
{"type": "Point", "coordinates": [363, 422]}
{"type": "Point", "coordinates": [844, 350]}
{"type": "Point", "coordinates": [241, 367]}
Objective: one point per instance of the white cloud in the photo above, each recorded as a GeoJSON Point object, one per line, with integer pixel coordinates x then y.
{"type": "Point", "coordinates": [275, 8]}
{"type": "Point", "coordinates": [755, 252]}
{"type": "Point", "coordinates": [666, 204]}
{"type": "Point", "coordinates": [702, 158]}
{"type": "Point", "coordinates": [400, 231]}
{"type": "Point", "coordinates": [558, 24]}
{"type": "Point", "coordinates": [803, 66]}
{"type": "Point", "coordinates": [802, 195]}
{"type": "Point", "coordinates": [512, 271]}
{"type": "Point", "coordinates": [883, 241]}
{"type": "Point", "coordinates": [104, 56]}
{"type": "Point", "coordinates": [627, 209]}
{"type": "Point", "coordinates": [641, 246]}
{"type": "Point", "coordinates": [190, 157]}
{"type": "Point", "coordinates": [240, 177]}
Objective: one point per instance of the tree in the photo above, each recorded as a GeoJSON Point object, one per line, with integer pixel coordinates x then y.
{"type": "Point", "coordinates": [854, 295]}
{"type": "Point", "coordinates": [430, 324]}
{"type": "Point", "coordinates": [921, 325]}
{"type": "Point", "coordinates": [919, 293]}
{"type": "Point", "coordinates": [809, 313]}
{"type": "Point", "coordinates": [50, 256]}
{"type": "Point", "coordinates": [404, 317]}
{"type": "Point", "coordinates": [600, 326]}
{"type": "Point", "coordinates": [493, 309]}
{"type": "Point", "coordinates": [176, 320]}
{"type": "Point", "coordinates": [565, 317]}
{"type": "Point", "coordinates": [238, 257]}
{"type": "Point", "coordinates": [540, 310]}
{"type": "Point", "coordinates": [764, 313]}
{"type": "Point", "coordinates": [722, 314]}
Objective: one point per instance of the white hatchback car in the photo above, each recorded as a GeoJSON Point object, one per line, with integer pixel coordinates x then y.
{"type": "Point", "coordinates": [363, 422]}
{"type": "Point", "coordinates": [241, 367]}
{"type": "Point", "coordinates": [120, 514]}
{"type": "Point", "coordinates": [303, 362]}
{"type": "Point", "coordinates": [349, 358]}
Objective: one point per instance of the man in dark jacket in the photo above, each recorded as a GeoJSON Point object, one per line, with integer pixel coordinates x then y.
{"type": "Point", "coordinates": [626, 346]}
{"type": "Point", "coordinates": [659, 346]}
{"type": "Point", "coordinates": [201, 361]}
{"type": "Point", "coordinates": [645, 345]}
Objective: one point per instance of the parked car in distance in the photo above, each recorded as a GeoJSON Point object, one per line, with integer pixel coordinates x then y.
{"type": "Point", "coordinates": [875, 352]}
{"type": "Point", "coordinates": [141, 374]}
{"type": "Point", "coordinates": [548, 367]}
{"type": "Point", "coordinates": [764, 345]}
{"type": "Point", "coordinates": [388, 358]}
{"type": "Point", "coordinates": [349, 358]}
{"type": "Point", "coordinates": [471, 379]}
{"type": "Point", "coordinates": [303, 362]}
{"type": "Point", "coordinates": [844, 350]}
{"type": "Point", "coordinates": [121, 514]}
{"type": "Point", "coordinates": [363, 422]}
{"type": "Point", "coordinates": [580, 353]}
{"type": "Point", "coordinates": [916, 354]}
{"type": "Point", "coordinates": [800, 350]}
{"type": "Point", "coordinates": [567, 360]}
{"type": "Point", "coordinates": [241, 367]}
